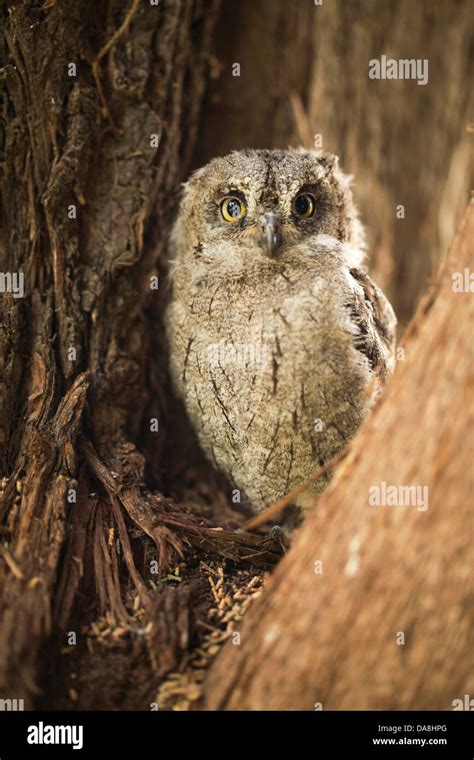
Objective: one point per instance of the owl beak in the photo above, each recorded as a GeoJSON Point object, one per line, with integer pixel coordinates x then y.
{"type": "Point", "coordinates": [271, 237]}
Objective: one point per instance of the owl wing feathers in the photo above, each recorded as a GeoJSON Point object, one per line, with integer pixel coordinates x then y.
{"type": "Point", "coordinates": [376, 323]}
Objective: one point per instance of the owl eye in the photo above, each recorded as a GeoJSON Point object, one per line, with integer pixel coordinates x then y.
{"type": "Point", "coordinates": [304, 205]}
{"type": "Point", "coordinates": [232, 209]}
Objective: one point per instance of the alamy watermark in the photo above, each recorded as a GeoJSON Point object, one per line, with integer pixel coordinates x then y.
{"type": "Point", "coordinates": [466, 703]}
{"type": "Point", "coordinates": [240, 354]}
{"type": "Point", "coordinates": [48, 734]}
{"type": "Point", "coordinates": [403, 68]}
{"type": "Point", "coordinates": [13, 282]}
{"type": "Point", "coordinates": [385, 495]}
{"type": "Point", "coordinates": [12, 705]}
{"type": "Point", "coordinates": [463, 282]}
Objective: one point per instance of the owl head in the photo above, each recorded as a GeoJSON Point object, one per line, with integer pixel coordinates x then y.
{"type": "Point", "coordinates": [259, 208]}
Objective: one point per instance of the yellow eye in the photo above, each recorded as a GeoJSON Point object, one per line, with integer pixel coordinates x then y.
{"type": "Point", "coordinates": [304, 205]}
{"type": "Point", "coordinates": [232, 209]}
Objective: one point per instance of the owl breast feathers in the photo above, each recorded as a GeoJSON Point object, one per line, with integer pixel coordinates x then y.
{"type": "Point", "coordinates": [278, 338]}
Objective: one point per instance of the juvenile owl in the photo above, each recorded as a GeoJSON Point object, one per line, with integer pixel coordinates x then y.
{"type": "Point", "coordinates": [278, 338]}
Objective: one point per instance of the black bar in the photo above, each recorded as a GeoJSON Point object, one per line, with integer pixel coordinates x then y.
{"type": "Point", "coordinates": [316, 734]}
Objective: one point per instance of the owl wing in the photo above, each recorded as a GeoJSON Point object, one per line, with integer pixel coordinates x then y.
{"type": "Point", "coordinates": [376, 323]}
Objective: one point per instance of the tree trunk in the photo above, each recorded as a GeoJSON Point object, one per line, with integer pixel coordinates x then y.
{"type": "Point", "coordinates": [101, 113]}
{"type": "Point", "coordinates": [385, 620]}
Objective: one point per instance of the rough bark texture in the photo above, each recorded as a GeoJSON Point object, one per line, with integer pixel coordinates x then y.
{"type": "Point", "coordinates": [331, 637]}
{"type": "Point", "coordinates": [86, 141]}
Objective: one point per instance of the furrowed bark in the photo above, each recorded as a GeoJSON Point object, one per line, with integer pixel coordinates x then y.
{"type": "Point", "coordinates": [100, 111]}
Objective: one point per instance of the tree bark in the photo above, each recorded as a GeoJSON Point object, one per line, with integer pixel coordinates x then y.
{"type": "Point", "coordinates": [100, 115]}
{"type": "Point", "coordinates": [387, 624]}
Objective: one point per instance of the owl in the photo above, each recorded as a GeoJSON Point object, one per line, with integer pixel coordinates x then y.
{"type": "Point", "coordinates": [279, 341]}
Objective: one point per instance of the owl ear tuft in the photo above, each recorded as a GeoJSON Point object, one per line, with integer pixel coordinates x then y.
{"type": "Point", "coordinates": [329, 160]}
